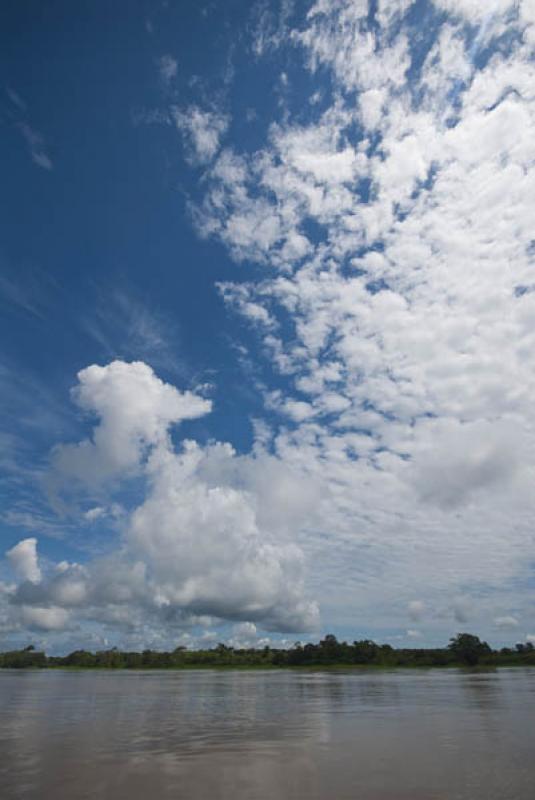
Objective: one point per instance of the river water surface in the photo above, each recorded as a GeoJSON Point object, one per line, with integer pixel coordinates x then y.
{"type": "Point", "coordinates": [208, 735]}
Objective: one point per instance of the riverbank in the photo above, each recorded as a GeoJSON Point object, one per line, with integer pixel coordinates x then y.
{"type": "Point", "coordinates": [464, 650]}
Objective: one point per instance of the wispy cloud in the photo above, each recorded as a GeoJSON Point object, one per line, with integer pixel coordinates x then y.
{"type": "Point", "coordinates": [18, 295]}
{"type": "Point", "coordinates": [36, 146]}
{"type": "Point", "coordinates": [33, 138]}
{"type": "Point", "coordinates": [125, 327]}
{"type": "Point", "coordinates": [16, 99]}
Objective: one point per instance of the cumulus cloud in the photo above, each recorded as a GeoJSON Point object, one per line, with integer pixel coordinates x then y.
{"type": "Point", "coordinates": [199, 543]}
{"type": "Point", "coordinates": [135, 410]}
{"type": "Point", "coordinates": [245, 634]}
{"type": "Point", "coordinates": [23, 560]}
{"type": "Point", "coordinates": [200, 540]}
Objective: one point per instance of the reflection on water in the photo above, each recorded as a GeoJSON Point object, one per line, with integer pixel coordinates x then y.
{"type": "Point", "coordinates": [426, 735]}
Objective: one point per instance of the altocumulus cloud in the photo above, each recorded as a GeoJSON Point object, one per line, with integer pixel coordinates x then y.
{"type": "Point", "coordinates": [192, 548]}
{"type": "Point", "coordinates": [394, 223]}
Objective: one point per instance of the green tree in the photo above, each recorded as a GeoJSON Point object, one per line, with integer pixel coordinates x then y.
{"type": "Point", "coordinates": [468, 649]}
{"type": "Point", "coordinates": [365, 651]}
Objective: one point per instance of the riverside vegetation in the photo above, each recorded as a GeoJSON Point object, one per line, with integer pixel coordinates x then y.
{"type": "Point", "coordinates": [465, 649]}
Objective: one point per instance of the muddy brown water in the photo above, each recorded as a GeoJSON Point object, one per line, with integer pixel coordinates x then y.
{"type": "Point", "coordinates": [217, 735]}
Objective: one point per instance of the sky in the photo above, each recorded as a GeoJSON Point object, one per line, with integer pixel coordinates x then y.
{"type": "Point", "coordinates": [267, 322]}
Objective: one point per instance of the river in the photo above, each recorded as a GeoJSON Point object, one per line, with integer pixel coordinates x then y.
{"type": "Point", "coordinates": [259, 735]}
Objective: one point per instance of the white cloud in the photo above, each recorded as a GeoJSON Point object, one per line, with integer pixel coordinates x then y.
{"type": "Point", "coordinates": [50, 618]}
{"type": "Point", "coordinates": [202, 546]}
{"type": "Point", "coordinates": [474, 11]}
{"type": "Point", "coordinates": [446, 68]}
{"type": "Point", "coordinates": [203, 540]}
{"type": "Point", "coordinates": [23, 559]}
{"type": "Point", "coordinates": [420, 347]}
{"type": "Point", "coordinates": [527, 17]}
{"type": "Point", "coordinates": [298, 410]}
{"type": "Point", "coordinates": [336, 38]}
{"type": "Point", "coordinates": [246, 629]}
{"type": "Point", "coordinates": [202, 129]}
{"type": "Point", "coordinates": [270, 29]}
{"type": "Point", "coordinates": [135, 409]}
{"type": "Point", "coordinates": [371, 107]}
{"type": "Point", "coordinates": [245, 635]}
{"type": "Point", "coordinates": [239, 298]}
{"type": "Point", "coordinates": [389, 12]}
{"type": "Point", "coordinates": [507, 622]}
{"type": "Point", "coordinates": [458, 460]}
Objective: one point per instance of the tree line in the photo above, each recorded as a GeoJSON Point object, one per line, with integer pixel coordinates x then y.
{"type": "Point", "coordinates": [465, 649]}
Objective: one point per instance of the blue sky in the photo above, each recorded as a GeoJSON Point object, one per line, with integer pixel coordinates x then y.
{"type": "Point", "coordinates": [267, 315]}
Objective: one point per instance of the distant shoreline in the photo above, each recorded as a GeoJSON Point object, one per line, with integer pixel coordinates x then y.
{"type": "Point", "coordinates": [463, 651]}
{"type": "Point", "coordinates": [283, 668]}
{"type": "Point", "coordinates": [288, 668]}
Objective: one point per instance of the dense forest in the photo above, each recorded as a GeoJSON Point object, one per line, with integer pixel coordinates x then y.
{"type": "Point", "coordinates": [465, 649]}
